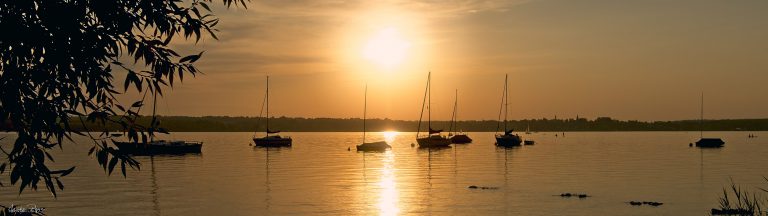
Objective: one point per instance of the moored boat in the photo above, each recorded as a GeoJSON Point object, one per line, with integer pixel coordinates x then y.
{"type": "Point", "coordinates": [371, 146]}
{"type": "Point", "coordinates": [160, 147]}
{"type": "Point", "coordinates": [272, 138]}
{"type": "Point", "coordinates": [508, 138]}
{"type": "Point", "coordinates": [433, 139]}
{"type": "Point", "coordinates": [710, 143]}
{"type": "Point", "coordinates": [706, 142]}
{"type": "Point", "coordinates": [155, 147]}
{"type": "Point", "coordinates": [457, 137]}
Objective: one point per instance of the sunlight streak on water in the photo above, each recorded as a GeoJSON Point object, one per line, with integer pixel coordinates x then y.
{"type": "Point", "coordinates": [389, 194]}
{"type": "Point", "coordinates": [389, 136]}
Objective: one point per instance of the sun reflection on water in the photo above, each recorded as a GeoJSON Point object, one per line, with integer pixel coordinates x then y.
{"type": "Point", "coordinates": [389, 196]}
{"type": "Point", "coordinates": [389, 136]}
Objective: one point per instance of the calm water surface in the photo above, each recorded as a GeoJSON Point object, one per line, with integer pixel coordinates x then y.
{"type": "Point", "coordinates": [318, 176]}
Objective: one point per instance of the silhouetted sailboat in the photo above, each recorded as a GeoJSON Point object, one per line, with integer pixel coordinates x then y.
{"type": "Point", "coordinates": [457, 137]}
{"type": "Point", "coordinates": [272, 138]}
{"type": "Point", "coordinates": [507, 139]}
{"type": "Point", "coordinates": [528, 131]}
{"type": "Point", "coordinates": [155, 147]}
{"type": "Point", "coordinates": [372, 146]}
{"type": "Point", "coordinates": [433, 138]}
{"type": "Point", "coordinates": [706, 142]}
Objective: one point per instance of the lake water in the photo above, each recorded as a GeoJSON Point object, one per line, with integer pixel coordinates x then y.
{"type": "Point", "coordinates": [318, 176]}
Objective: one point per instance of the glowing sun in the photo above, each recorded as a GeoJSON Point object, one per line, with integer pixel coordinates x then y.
{"type": "Point", "coordinates": [387, 48]}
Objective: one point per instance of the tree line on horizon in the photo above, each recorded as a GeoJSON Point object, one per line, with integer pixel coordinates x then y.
{"type": "Point", "coordinates": [298, 124]}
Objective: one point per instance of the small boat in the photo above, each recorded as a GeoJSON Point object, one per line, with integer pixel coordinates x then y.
{"type": "Point", "coordinates": [528, 129]}
{"type": "Point", "coordinates": [710, 143]}
{"type": "Point", "coordinates": [706, 142]}
{"type": "Point", "coordinates": [508, 139]}
{"type": "Point", "coordinates": [273, 141]}
{"type": "Point", "coordinates": [433, 138]}
{"type": "Point", "coordinates": [155, 147]}
{"type": "Point", "coordinates": [160, 147]}
{"type": "Point", "coordinates": [460, 138]}
{"type": "Point", "coordinates": [529, 142]}
{"type": "Point", "coordinates": [457, 137]}
{"type": "Point", "coordinates": [374, 146]}
{"type": "Point", "coordinates": [272, 138]}
{"type": "Point", "coordinates": [371, 146]}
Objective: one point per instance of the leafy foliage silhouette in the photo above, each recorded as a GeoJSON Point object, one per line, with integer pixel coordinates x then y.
{"type": "Point", "coordinates": [57, 61]}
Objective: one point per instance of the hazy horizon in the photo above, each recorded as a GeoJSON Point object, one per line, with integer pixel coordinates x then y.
{"type": "Point", "coordinates": [632, 60]}
{"type": "Point", "coordinates": [447, 120]}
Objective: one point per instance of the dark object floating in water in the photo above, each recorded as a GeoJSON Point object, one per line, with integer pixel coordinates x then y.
{"type": "Point", "coordinates": [412, 145]}
{"type": "Point", "coordinates": [461, 139]}
{"type": "Point", "coordinates": [457, 137]}
{"type": "Point", "coordinates": [650, 203]}
{"type": "Point", "coordinates": [529, 142]}
{"type": "Point", "coordinates": [273, 141]}
{"type": "Point", "coordinates": [574, 195]}
{"type": "Point", "coordinates": [374, 146]}
{"type": "Point", "coordinates": [707, 142]}
{"type": "Point", "coordinates": [433, 139]}
{"type": "Point", "coordinates": [160, 147]}
{"type": "Point", "coordinates": [378, 146]}
{"type": "Point", "coordinates": [710, 143]}
{"type": "Point", "coordinates": [348, 149]}
{"type": "Point", "coordinates": [271, 138]}
{"type": "Point", "coordinates": [482, 187]}
{"type": "Point", "coordinates": [731, 212]}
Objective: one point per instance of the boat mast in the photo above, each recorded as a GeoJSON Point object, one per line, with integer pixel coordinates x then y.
{"type": "Point", "coordinates": [429, 105]}
{"type": "Point", "coordinates": [365, 109]}
{"type": "Point", "coordinates": [506, 101]}
{"type": "Point", "coordinates": [454, 117]}
{"type": "Point", "coordinates": [701, 119]}
{"type": "Point", "coordinates": [267, 105]}
{"type": "Point", "coordinates": [423, 103]}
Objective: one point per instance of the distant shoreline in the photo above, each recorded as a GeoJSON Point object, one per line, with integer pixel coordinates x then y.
{"type": "Point", "coordinates": [290, 124]}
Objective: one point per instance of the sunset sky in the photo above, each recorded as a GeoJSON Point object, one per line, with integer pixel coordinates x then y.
{"type": "Point", "coordinates": [644, 60]}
